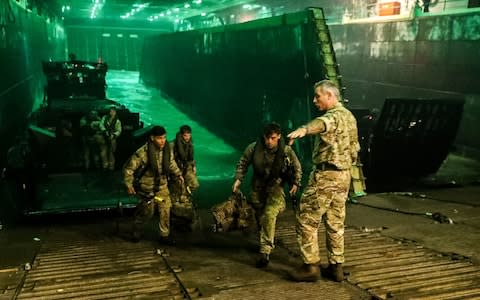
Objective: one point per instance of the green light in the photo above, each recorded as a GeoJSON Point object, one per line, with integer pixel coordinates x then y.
{"type": "Point", "coordinates": [135, 9]}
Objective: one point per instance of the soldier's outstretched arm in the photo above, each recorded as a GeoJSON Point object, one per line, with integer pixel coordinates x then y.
{"type": "Point", "coordinates": [315, 126]}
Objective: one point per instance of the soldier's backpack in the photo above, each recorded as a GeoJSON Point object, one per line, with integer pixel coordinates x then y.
{"type": "Point", "coordinates": [233, 214]}
{"type": "Point", "coordinates": [183, 208]}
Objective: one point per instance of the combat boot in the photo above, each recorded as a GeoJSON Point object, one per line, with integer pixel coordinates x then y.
{"type": "Point", "coordinates": [307, 272]}
{"type": "Point", "coordinates": [334, 272]}
{"type": "Point", "coordinates": [263, 260]}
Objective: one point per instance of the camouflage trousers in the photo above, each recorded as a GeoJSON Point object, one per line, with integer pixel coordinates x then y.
{"type": "Point", "coordinates": [146, 209]}
{"type": "Point", "coordinates": [92, 147]}
{"type": "Point", "coordinates": [107, 153]}
{"type": "Point", "coordinates": [267, 202]}
{"type": "Point", "coordinates": [324, 196]}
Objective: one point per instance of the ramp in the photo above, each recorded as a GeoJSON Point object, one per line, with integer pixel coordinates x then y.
{"type": "Point", "coordinates": [396, 269]}
{"type": "Point", "coordinates": [88, 270]}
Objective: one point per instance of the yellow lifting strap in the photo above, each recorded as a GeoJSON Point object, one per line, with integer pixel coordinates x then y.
{"type": "Point", "coordinates": [357, 183]}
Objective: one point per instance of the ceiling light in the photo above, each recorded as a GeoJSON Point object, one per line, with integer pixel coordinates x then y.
{"type": "Point", "coordinates": [135, 9]}
{"type": "Point", "coordinates": [97, 6]}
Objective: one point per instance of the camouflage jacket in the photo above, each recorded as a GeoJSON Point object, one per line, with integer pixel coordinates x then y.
{"type": "Point", "coordinates": [338, 143]}
{"type": "Point", "coordinates": [106, 127]}
{"type": "Point", "coordinates": [139, 162]}
{"type": "Point", "coordinates": [269, 155]}
{"type": "Point", "coordinates": [90, 127]}
{"type": "Point", "coordinates": [183, 165]}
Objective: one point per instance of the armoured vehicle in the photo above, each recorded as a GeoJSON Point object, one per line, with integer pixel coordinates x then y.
{"type": "Point", "coordinates": [48, 163]}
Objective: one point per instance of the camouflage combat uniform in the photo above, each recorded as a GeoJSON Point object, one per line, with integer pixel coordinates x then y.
{"type": "Point", "coordinates": [92, 139]}
{"type": "Point", "coordinates": [187, 167]}
{"type": "Point", "coordinates": [267, 195]}
{"type": "Point", "coordinates": [335, 150]}
{"type": "Point", "coordinates": [151, 196]}
{"type": "Point", "coordinates": [111, 130]}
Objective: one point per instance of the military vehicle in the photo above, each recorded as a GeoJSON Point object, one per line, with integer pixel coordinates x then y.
{"type": "Point", "coordinates": [48, 163]}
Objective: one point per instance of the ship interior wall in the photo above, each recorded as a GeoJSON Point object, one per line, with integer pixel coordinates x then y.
{"type": "Point", "coordinates": [27, 38]}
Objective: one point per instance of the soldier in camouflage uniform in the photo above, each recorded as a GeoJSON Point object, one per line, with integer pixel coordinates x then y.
{"type": "Point", "coordinates": [146, 174]}
{"type": "Point", "coordinates": [335, 151]}
{"type": "Point", "coordinates": [92, 138]}
{"type": "Point", "coordinates": [182, 147]}
{"type": "Point", "coordinates": [111, 128]}
{"type": "Point", "coordinates": [271, 159]}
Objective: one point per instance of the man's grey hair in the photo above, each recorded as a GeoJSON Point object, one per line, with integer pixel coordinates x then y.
{"type": "Point", "coordinates": [328, 85]}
